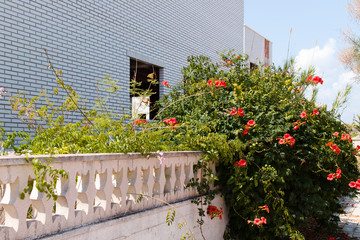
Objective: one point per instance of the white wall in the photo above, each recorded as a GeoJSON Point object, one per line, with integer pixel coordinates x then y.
{"type": "Point", "coordinates": [254, 47]}
{"type": "Point", "coordinates": [98, 200]}
{"type": "Point", "coordinates": [89, 40]}
{"type": "Point", "coordinates": [149, 225]}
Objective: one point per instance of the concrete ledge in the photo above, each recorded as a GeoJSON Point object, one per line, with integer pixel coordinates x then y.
{"type": "Point", "coordinates": [20, 160]}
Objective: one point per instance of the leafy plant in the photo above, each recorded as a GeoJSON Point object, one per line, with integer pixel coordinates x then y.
{"type": "Point", "coordinates": [270, 142]}
{"type": "Point", "coordinates": [170, 216]}
{"type": "Point", "coordinates": [46, 178]}
{"type": "Point", "coordinates": [279, 158]}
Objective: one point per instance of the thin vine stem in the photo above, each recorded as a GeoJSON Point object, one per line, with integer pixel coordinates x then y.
{"type": "Point", "coordinates": [181, 99]}
{"type": "Point", "coordinates": [201, 202]}
{"type": "Point", "coordinates": [67, 91]}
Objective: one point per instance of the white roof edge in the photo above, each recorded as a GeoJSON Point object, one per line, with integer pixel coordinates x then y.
{"type": "Point", "coordinates": [256, 32]}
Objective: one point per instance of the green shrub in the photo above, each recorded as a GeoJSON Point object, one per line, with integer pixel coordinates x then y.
{"type": "Point", "coordinates": [273, 161]}
{"type": "Point", "coordinates": [291, 179]}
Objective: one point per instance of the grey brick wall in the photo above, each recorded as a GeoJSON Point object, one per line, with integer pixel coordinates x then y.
{"type": "Point", "coordinates": [91, 39]}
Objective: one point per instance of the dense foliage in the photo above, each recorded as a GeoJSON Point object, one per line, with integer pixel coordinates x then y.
{"type": "Point", "coordinates": [280, 158]}
{"type": "Point", "coordinates": [271, 142]}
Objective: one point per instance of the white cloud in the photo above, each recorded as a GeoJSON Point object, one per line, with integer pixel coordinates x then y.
{"type": "Point", "coordinates": [347, 77]}
{"type": "Point", "coordinates": [320, 58]}
{"type": "Point", "coordinates": [335, 77]}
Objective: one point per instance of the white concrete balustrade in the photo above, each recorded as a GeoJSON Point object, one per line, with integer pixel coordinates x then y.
{"type": "Point", "coordinates": [98, 187]}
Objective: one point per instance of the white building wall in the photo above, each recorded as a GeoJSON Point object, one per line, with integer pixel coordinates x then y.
{"type": "Point", "coordinates": [255, 47]}
{"type": "Point", "coordinates": [89, 40]}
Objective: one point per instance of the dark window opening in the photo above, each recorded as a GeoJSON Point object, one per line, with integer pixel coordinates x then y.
{"type": "Point", "coordinates": [139, 72]}
{"type": "Point", "coordinates": [253, 66]}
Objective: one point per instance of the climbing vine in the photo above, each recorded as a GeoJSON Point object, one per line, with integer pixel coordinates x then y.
{"type": "Point", "coordinates": [280, 158]}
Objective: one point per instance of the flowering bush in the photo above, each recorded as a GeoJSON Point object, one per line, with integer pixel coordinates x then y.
{"type": "Point", "coordinates": [263, 116]}
{"type": "Point", "coordinates": [239, 112]}
{"type": "Point", "coordinates": [213, 212]}
{"type": "Point", "coordinates": [171, 121]}
{"type": "Point", "coordinates": [281, 159]}
{"type": "Point", "coordinates": [240, 163]}
{"type": "Point", "coordinates": [165, 83]}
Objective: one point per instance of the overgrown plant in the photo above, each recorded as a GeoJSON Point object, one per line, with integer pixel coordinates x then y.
{"type": "Point", "coordinates": [281, 158]}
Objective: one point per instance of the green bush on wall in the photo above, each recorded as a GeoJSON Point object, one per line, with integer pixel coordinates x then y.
{"type": "Point", "coordinates": [280, 158]}
{"type": "Point", "coordinates": [271, 142]}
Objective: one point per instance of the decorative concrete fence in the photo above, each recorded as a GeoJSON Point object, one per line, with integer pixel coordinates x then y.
{"type": "Point", "coordinates": [99, 187]}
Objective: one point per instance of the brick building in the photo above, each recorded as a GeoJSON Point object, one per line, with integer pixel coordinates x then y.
{"type": "Point", "coordinates": [89, 40]}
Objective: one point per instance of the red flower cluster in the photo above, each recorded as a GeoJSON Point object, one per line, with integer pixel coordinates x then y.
{"type": "Point", "coordinates": [139, 121]}
{"type": "Point", "coordinates": [240, 163]}
{"type": "Point", "coordinates": [297, 124]}
{"type": "Point", "coordinates": [265, 208]}
{"type": "Point", "coordinates": [357, 149]}
{"type": "Point", "coordinates": [346, 137]}
{"type": "Point", "coordinates": [228, 62]}
{"type": "Point", "coordinates": [258, 221]}
{"type": "Point", "coordinates": [213, 212]}
{"type": "Point", "coordinates": [314, 80]}
{"type": "Point", "coordinates": [317, 80]}
{"type": "Point", "coordinates": [165, 83]}
{"type": "Point", "coordinates": [146, 101]}
{"type": "Point", "coordinates": [171, 121]}
{"type": "Point", "coordinates": [356, 184]}
{"type": "Point", "coordinates": [303, 114]}
{"type": "Point", "coordinates": [337, 174]}
{"type": "Point", "coordinates": [333, 147]}
{"type": "Point", "coordinates": [249, 124]}
{"type": "Point", "coordinates": [218, 83]}
{"type": "Point", "coordinates": [239, 112]}
{"type": "Point", "coordinates": [287, 140]}
{"type": "Point", "coordinates": [315, 112]}
{"type": "Point", "coordinates": [343, 136]}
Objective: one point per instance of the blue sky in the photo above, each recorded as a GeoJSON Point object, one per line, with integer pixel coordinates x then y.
{"type": "Point", "coordinates": [317, 37]}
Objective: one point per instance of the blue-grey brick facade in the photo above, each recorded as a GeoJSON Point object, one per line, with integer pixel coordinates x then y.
{"type": "Point", "coordinates": [88, 40]}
